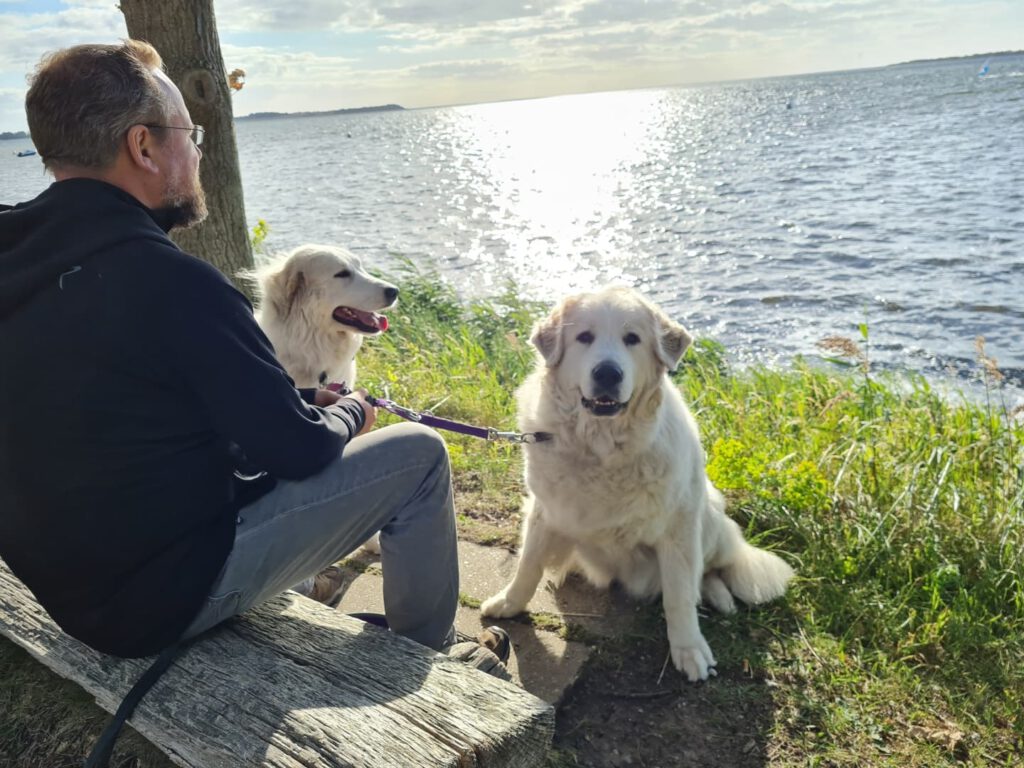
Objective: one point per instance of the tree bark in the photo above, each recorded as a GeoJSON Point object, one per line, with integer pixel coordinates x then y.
{"type": "Point", "coordinates": [185, 34]}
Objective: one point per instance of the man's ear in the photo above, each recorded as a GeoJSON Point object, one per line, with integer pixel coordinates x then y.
{"type": "Point", "coordinates": [140, 143]}
{"type": "Point", "coordinates": [286, 287]}
{"type": "Point", "coordinates": [673, 340]}
{"type": "Point", "coordinates": [548, 336]}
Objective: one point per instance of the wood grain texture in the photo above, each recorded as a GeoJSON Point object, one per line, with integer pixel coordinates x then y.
{"type": "Point", "coordinates": [294, 684]}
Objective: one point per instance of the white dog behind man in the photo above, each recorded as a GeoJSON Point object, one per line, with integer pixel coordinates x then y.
{"type": "Point", "coordinates": [316, 304]}
{"type": "Point", "coordinates": [620, 492]}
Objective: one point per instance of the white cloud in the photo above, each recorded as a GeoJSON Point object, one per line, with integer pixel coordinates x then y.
{"type": "Point", "coordinates": [361, 15]}
{"type": "Point", "coordinates": [26, 37]}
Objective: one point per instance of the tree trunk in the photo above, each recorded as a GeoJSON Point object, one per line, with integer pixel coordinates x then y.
{"type": "Point", "coordinates": [185, 34]}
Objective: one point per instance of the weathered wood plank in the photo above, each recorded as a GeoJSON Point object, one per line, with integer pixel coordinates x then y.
{"type": "Point", "coordinates": [293, 684]}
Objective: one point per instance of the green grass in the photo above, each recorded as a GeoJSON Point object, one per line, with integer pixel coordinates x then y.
{"type": "Point", "coordinates": [49, 722]}
{"type": "Point", "coordinates": [902, 508]}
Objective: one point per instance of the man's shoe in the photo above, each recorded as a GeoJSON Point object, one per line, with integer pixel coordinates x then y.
{"type": "Point", "coordinates": [328, 586]}
{"type": "Point", "coordinates": [488, 651]}
{"type": "Point", "coordinates": [496, 640]}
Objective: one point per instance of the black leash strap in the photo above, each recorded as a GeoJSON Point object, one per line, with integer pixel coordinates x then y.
{"type": "Point", "coordinates": [104, 747]}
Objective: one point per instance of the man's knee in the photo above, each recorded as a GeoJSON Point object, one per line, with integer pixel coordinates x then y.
{"type": "Point", "coordinates": [424, 441]}
{"type": "Point", "coordinates": [422, 447]}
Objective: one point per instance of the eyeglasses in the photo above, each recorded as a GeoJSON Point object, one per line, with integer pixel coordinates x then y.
{"type": "Point", "coordinates": [195, 132]}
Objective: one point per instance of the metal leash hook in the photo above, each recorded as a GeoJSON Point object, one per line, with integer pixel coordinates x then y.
{"type": "Point", "coordinates": [513, 437]}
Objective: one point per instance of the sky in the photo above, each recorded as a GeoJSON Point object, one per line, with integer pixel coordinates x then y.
{"type": "Point", "coordinates": [307, 55]}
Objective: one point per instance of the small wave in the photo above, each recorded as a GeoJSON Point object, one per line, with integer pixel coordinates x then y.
{"type": "Point", "coordinates": [888, 305]}
{"type": "Point", "coordinates": [943, 262]}
{"type": "Point", "coordinates": [993, 309]}
{"type": "Point", "coordinates": [967, 369]}
{"type": "Point", "coordinates": [789, 299]}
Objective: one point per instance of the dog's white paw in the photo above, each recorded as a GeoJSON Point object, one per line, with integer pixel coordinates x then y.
{"type": "Point", "coordinates": [695, 661]}
{"type": "Point", "coordinates": [714, 591]}
{"type": "Point", "coordinates": [372, 544]}
{"type": "Point", "coordinates": [500, 607]}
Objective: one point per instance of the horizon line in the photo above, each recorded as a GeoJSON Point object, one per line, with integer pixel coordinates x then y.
{"type": "Point", "coordinates": [271, 114]}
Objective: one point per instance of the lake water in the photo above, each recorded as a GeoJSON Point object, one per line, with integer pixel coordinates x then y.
{"type": "Point", "coordinates": [765, 214]}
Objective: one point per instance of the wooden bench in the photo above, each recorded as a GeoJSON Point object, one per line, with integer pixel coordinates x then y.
{"type": "Point", "coordinates": [294, 684]}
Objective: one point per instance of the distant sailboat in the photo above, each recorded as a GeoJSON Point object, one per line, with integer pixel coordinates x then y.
{"type": "Point", "coordinates": [984, 68]}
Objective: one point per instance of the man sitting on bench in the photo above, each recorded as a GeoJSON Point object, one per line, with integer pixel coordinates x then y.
{"type": "Point", "coordinates": [159, 471]}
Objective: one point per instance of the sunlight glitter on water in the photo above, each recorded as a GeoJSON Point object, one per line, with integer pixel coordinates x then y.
{"type": "Point", "coordinates": [555, 172]}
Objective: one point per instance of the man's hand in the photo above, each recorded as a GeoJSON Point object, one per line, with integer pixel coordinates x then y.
{"type": "Point", "coordinates": [368, 410]}
{"type": "Point", "coordinates": [325, 397]}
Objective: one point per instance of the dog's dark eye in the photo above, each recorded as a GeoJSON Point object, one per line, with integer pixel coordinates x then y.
{"type": "Point", "coordinates": [585, 338]}
{"type": "Point", "coordinates": [631, 339]}
{"type": "Point", "coordinates": [344, 273]}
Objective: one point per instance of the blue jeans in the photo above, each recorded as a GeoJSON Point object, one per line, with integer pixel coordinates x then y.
{"type": "Point", "coordinates": [395, 480]}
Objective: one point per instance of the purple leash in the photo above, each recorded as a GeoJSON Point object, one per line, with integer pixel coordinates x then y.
{"type": "Point", "coordinates": [430, 420]}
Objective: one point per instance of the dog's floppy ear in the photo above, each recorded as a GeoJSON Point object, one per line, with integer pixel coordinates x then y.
{"type": "Point", "coordinates": [547, 335]}
{"type": "Point", "coordinates": [286, 287]}
{"type": "Point", "coordinates": [673, 340]}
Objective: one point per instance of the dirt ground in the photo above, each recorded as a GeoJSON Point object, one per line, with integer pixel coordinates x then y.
{"type": "Point", "coordinates": [630, 707]}
{"type": "Point", "coordinates": [619, 716]}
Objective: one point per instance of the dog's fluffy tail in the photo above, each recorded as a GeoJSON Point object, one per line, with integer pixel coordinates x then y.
{"type": "Point", "coordinates": [754, 575]}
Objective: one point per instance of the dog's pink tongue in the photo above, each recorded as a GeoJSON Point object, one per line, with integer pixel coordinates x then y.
{"type": "Point", "coordinates": [374, 320]}
{"type": "Point", "coordinates": [366, 319]}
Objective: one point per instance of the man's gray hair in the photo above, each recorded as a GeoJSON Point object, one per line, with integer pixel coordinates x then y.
{"type": "Point", "coordinates": [82, 100]}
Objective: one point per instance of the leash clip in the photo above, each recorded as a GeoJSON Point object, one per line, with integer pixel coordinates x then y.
{"type": "Point", "coordinates": [518, 437]}
{"type": "Point", "coordinates": [512, 437]}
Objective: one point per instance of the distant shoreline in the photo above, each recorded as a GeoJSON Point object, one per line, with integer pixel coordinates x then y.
{"type": "Point", "coordinates": [350, 111]}
{"type": "Point", "coordinates": [13, 135]}
{"type": "Point", "coordinates": [993, 55]}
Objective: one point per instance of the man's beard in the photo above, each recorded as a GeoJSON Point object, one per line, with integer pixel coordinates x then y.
{"type": "Point", "coordinates": [184, 203]}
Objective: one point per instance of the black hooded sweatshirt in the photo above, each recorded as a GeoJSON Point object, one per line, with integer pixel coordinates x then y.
{"type": "Point", "coordinates": [130, 375]}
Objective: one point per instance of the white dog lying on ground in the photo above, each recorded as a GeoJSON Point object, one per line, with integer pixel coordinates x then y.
{"type": "Point", "coordinates": [315, 305]}
{"type": "Point", "coordinates": [619, 491]}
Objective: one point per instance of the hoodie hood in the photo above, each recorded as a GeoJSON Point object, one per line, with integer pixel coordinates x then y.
{"type": "Point", "coordinates": [42, 239]}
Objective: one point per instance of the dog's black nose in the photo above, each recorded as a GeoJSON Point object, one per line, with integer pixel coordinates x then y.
{"type": "Point", "coordinates": [607, 374]}
{"type": "Point", "coordinates": [391, 294]}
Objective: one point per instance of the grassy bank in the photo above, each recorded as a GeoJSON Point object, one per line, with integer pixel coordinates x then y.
{"type": "Point", "coordinates": [902, 641]}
